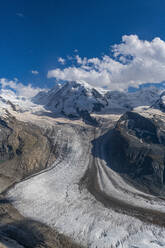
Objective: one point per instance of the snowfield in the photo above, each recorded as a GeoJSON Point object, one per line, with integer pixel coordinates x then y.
{"type": "Point", "coordinates": [57, 198]}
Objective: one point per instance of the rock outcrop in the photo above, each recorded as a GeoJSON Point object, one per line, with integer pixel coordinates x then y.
{"type": "Point", "coordinates": [137, 149]}
{"type": "Point", "coordinates": [24, 150]}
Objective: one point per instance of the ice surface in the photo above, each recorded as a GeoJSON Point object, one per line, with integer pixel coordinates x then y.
{"type": "Point", "coordinates": [55, 198]}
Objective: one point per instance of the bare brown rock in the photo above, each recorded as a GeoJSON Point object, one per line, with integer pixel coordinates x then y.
{"type": "Point", "coordinates": [24, 150]}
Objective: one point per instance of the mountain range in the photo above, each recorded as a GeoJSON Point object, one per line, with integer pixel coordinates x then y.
{"type": "Point", "coordinates": [79, 100]}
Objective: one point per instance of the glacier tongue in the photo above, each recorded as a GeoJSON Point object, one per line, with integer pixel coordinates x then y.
{"type": "Point", "coordinates": [55, 197]}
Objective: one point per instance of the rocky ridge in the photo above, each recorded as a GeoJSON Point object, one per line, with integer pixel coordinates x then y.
{"type": "Point", "coordinates": [136, 149]}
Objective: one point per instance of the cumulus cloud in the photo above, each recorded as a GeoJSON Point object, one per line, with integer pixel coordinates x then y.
{"type": "Point", "coordinates": [35, 72]}
{"type": "Point", "coordinates": [133, 62]}
{"type": "Point", "coordinates": [16, 88]}
{"type": "Point", "coordinates": [61, 60]}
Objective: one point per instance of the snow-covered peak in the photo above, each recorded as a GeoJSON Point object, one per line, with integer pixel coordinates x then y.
{"type": "Point", "coordinates": [76, 99]}
{"type": "Point", "coordinates": [124, 101]}
{"type": "Point", "coordinates": [10, 101]}
{"type": "Point", "coordinates": [71, 98]}
{"type": "Point", "coordinates": [144, 97]}
{"type": "Point", "coordinates": [160, 103]}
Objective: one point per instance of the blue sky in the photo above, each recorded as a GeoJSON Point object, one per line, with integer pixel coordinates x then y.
{"type": "Point", "coordinates": [34, 34]}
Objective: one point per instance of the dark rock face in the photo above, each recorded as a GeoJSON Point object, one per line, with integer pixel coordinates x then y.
{"type": "Point", "coordinates": [137, 149]}
{"type": "Point", "coordinates": [87, 118]}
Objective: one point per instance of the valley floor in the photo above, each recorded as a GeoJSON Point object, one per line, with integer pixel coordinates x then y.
{"type": "Point", "coordinates": [84, 199]}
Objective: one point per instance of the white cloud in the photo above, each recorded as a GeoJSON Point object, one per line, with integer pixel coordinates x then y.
{"type": "Point", "coordinates": [20, 15]}
{"type": "Point", "coordinates": [35, 72]}
{"type": "Point", "coordinates": [17, 88]}
{"type": "Point", "coordinates": [134, 62]}
{"type": "Point", "coordinates": [72, 74]}
{"type": "Point", "coordinates": [61, 60]}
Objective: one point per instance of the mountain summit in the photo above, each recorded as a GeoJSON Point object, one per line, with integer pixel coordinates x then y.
{"type": "Point", "coordinates": [72, 98]}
